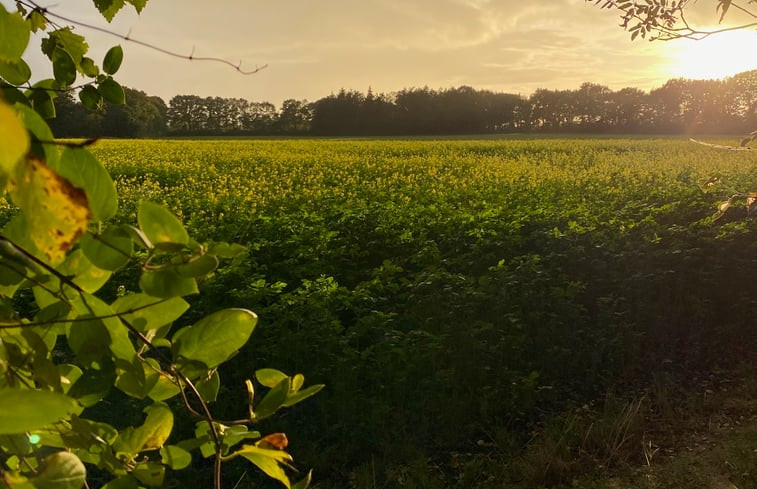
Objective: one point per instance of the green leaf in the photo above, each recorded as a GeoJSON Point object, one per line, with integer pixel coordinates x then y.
{"type": "Point", "coordinates": [125, 482]}
{"type": "Point", "coordinates": [26, 410]}
{"type": "Point", "coordinates": [69, 374]}
{"type": "Point", "coordinates": [83, 170]}
{"type": "Point", "coordinates": [208, 388]}
{"type": "Point", "coordinates": [273, 400]}
{"type": "Point", "coordinates": [113, 59]}
{"type": "Point", "coordinates": [269, 461]}
{"type": "Point", "coordinates": [166, 282]}
{"type": "Point", "coordinates": [198, 266]}
{"type": "Point", "coordinates": [137, 379]}
{"type": "Point", "coordinates": [89, 340]}
{"type": "Point", "coordinates": [65, 39]}
{"type": "Point", "coordinates": [138, 4]}
{"type": "Point", "coordinates": [302, 395]}
{"type": "Point", "coordinates": [14, 35]}
{"type": "Point", "coordinates": [64, 68]}
{"type": "Point", "coordinates": [175, 457]}
{"type": "Point", "coordinates": [111, 91]}
{"type": "Point", "coordinates": [90, 97]}
{"type": "Point", "coordinates": [226, 250]}
{"type": "Point", "coordinates": [15, 72]}
{"type": "Point", "coordinates": [145, 312]}
{"type": "Point", "coordinates": [150, 474]}
{"type": "Point", "coordinates": [83, 273]}
{"type": "Point", "coordinates": [37, 20]}
{"type": "Point", "coordinates": [120, 343]}
{"type": "Point", "coordinates": [62, 470]}
{"type": "Point", "coordinates": [151, 435]}
{"type": "Point", "coordinates": [160, 225]}
{"type": "Point", "coordinates": [16, 444]}
{"type": "Point", "coordinates": [304, 482]}
{"type": "Point", "coordinates": [215, 338]}
{"type": "Point", "coordinates": [13, 95]}
{"type": "Point", "coordinates": [34, 123]}
{"type": "Point", "coordinates": [15, 142]}
{"type": "Point", "coordinates": [42, 102]}
{"type": "Point", "coordinates": [93, 385]}
{"type": "Point", "coordinates": [235, 434]}
{"type": "Point", "coordinates": [109, 8]}
{"type": "Point", "coordinates": [270, 377]}
{"type": "Point", "coordinates": [163, 389]}
{"type": "Point", "coordinates": [110, 250]}
{"type": "Point", "coordinates": [88, 434]}
{"type": "Point", "coordinates": [88, 67]}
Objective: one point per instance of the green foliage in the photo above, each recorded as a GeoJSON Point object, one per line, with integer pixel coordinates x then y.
{"type": "Point", "coordinates": [451, 291]}
{"type": "Point", "coordinates": [67, 345]}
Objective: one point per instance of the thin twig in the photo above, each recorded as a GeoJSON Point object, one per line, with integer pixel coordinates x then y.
{"type": "Point", "coordinates": [128, 38]}
{"type": "Point", "coordinates": [5, 325]}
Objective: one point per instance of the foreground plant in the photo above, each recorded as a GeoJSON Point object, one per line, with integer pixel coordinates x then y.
{"type": "Point", "coordinates": [63, 347]}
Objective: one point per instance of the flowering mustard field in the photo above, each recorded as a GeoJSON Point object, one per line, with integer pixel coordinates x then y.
{"type": "Point", "coordinates": [454, 294]}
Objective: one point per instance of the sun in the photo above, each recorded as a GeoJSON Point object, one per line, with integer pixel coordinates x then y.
{"type": "Point", "coordinates": [718, 56]}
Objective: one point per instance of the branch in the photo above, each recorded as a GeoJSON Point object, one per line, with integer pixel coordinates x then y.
{"type": "Point", "coordinates": [5, 325]}
{"type": "Point", "coordinates": [126, 37]}
{"type": "Point", "coordinates": [159, 354]}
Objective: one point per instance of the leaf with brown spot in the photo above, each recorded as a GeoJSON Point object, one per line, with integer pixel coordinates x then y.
{"type": "Point", "coordinates": [57, 212]}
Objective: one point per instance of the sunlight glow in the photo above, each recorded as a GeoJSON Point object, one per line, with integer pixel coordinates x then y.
{"type": "Point", "coordinates": [717, 56]}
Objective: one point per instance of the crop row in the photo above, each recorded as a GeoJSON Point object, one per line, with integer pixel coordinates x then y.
{"type": "Point", "coordinates": [454, 292]}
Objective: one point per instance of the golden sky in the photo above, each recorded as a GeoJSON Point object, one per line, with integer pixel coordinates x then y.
{"type": "Point", "coordinates": [314, 48]}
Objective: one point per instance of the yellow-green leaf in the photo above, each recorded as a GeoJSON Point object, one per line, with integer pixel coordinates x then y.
{"type": "Point", "coordinates": [14, 141]}
{"type": "Point", "coordinates": [57, 213]}
{"type": "Point", "coordinates": [269, 461]}
{"type": "Point", "coordinates": [63, 470]}
{"type": "Point", "coordinates": [25, 410]}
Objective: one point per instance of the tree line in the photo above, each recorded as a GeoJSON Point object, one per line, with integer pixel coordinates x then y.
{"type": "Point", "coordinates": [678, 106]}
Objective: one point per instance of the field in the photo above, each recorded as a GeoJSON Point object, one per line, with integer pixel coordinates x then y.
{"type": "Point", "coordinates": [459, 297]}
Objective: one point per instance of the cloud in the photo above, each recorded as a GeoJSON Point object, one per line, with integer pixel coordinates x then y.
{"type": "Point", "coordinates": [315, 48]}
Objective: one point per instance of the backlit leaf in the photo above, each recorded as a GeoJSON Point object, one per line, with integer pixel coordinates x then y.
{"type": "Point", "coordinates": [270, 377]}
{"type": "Point", "coordinates": [150, 474]}
{"type": "Point", "coordinates": [109, 8]}
{"type": "Point", "coordinates": [110, 250]}
{"type": "Point", "coordinates": [166, 282]}
{"type": "Point", "coordinates": [160, 225]}
{"type": "Point", "coordinates": [112, 91]}
{"type": "Point", "coordinates": [145, 312]}
{"type": "Point", "coordinates": [15, 141]}
{"type": "Point", "coordinates": [84, 171]}
{"type": "Point", "coordinates": [64, 68]}
{"type": "Point", "coordinates": [14, 35]}
{"type": "Point", "coordinates": [65, 39]}
{"type": "Point", "coordinates": [215, 338]}
{"type": "Point", "coordinates": [15, 72]}
{"type": "Point", "coordinates": [90, 97]}
{"type": "Point", "coordinates": [303, 394]}
{"type": "Point", "coordinates": [269, 461]}
{"type": "Point", "coordinates": [40, 408]}
{"type": "Point", "coordinates": [113, 59]}
{"type": "Point", "coordinates": [175, 457]}
{"type": "Point", "coordinates": [62, 470]}
{"type": "Point", "coordinates": [57, 212]}
{"type": "Point", "coordinates": [153, 433]}
{"type": "Point", "coordinates": [273, 400]}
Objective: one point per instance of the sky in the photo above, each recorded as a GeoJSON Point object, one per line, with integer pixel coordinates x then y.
{"type": "Point", "coordinates": [313, 49]}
